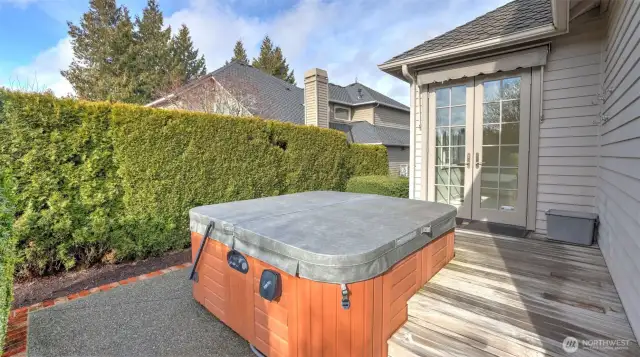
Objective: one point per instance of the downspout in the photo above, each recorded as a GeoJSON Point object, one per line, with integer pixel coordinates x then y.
{"type": "Point", "coordinates": [412, 130]}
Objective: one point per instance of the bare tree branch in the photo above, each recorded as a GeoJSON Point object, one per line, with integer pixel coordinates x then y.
{"type": "Point", "coordinates": [209, 96]}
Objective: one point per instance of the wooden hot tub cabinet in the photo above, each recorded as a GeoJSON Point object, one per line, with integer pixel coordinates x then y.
{"type": "Point", "coordinates": [308, 319]}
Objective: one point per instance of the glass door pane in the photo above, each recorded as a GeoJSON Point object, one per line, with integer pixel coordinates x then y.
{"type": "Point", "coordinates": [501, 141]}
{"type": "Point", "coordinates": [450, 141]}
{"type": "Point", "coordinates": [500, 144]}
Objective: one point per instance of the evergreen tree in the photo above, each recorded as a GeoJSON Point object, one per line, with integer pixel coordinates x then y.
{"type": "Point", "coordinates": [153, 59]}
{"type": "Point", "coordinates": [271, 60]}
{"type": "Point", "coordinates": [239, 53]}
{"type": "Point", "coordinates": [186, 65]}
{"type": "Point", "coordinates": [282, 68]}
{"type": "Point", "coordinates": [103, 64]}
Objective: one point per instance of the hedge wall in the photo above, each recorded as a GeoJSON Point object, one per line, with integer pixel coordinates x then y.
{"type": "Point", "coordinates": [68, 196]}
{"type": "Point", "coordinates": [100, 181]}
{"type": "Point", "coordinates": [381, 185]}
{"type": "Point", "coordinates": [171, 161]}
{"type": "Point", "coordinates": [6, 255]}
{"type": "Point", "coordinates": [369, 160]}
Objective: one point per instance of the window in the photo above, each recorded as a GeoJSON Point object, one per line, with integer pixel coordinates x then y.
{"type": "Point", "coordinates": [341, 113]}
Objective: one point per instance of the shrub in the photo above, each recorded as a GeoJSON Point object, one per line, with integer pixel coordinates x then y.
{"type": "Point", "coordinates": [380, 185]}
{"type": "Point", "coordinates": [93, 179]}
{"type": "Point", "coordinates": [368, 160]}
{"type": "Point", "coordinates": [68, 195]}
{"type": "Point", "coordinates": [6, 255]}
{"type": "Point", "coordinates": [171, 161]}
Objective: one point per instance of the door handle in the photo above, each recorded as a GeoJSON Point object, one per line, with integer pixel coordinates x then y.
{"type": "Point", "coordinates": [478, 163]}
{"type": "Point", "coordinates": [468, 160]}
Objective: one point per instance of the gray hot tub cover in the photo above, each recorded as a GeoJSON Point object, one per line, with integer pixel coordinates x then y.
{"type": "Point", "coordinates": [332, 237]}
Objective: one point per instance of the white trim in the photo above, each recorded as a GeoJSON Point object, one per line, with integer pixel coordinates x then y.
{"type": "Point", "coordinates": [500, 41]}
{"type": "Point", "coordinates": [341, 107]}
{"type": "Point", "coordinates": [534, 139]}
{"type": "Point", "coordinates": [412, 130]}
{"type": "Point", "coordinates": [424, 125]}
{"type": "Point", "coordinates": [412, 142]}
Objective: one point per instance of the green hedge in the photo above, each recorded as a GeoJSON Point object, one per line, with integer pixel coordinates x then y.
{"type": "Point", "coordinates": [369, 160]}
{"type": "Point", "coordinates": [98, 181]}
{"type": "Point", "coordinates": [171, 161]}
{"type": "Point", "coordinates": [68, 196]}
{"type": "Point", "coordinates": [6, 255]}
{"type": "Point", "coordinates": [380, 185]}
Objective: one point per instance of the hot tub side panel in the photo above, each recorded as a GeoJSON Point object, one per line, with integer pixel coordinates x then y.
{"type": "Point", "coordinates": [308, 319]}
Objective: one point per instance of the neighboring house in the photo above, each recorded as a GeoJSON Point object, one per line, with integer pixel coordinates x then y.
{"type": "Point", "coordinates": [530, 107]}
{"type": "Point", "coordinates": [366, 116]}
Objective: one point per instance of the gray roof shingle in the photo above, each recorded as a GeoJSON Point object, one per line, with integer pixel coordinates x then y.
{"type": "Point", "coordinates": [360, 94]}
{"type": "Point", "coordinates": [272, 98]}
{"type": "Point", "coordinates": [365, 133]}
{"type": "Point", "coordinates": [516, 16]}
{"type": "Point", "coordinates": [267, 96]}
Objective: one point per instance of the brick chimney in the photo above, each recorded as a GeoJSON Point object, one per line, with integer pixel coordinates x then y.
{"type": "Point", "coordinates": [316, 98]}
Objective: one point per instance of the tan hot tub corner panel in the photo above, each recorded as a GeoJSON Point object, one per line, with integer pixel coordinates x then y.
{"type": "Point", "coordinates": [308, 319]}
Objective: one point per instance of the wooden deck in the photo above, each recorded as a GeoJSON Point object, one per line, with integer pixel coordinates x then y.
{"type": "Point", "coordinates": [503, 296]}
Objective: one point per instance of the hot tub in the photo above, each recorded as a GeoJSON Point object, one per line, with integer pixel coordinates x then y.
{"type": "Point", "coordinates": [317, 273]}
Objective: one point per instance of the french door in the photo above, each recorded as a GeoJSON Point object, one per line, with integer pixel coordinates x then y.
{"type": "Point", "coordinates": [479, 146]}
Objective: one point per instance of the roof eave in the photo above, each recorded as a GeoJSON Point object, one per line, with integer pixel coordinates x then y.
{"type": "Point", "coordinates": [561, 17]}
{"type": "Point", "coordinates": [394, 68]}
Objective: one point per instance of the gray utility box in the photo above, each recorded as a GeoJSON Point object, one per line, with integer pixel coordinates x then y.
{"type": "Point", "coordinates": [571, 227]}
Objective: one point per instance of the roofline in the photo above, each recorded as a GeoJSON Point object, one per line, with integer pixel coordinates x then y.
{"type": "Point", "coordinates": [383, 144]}
{"type": "Point", "coordinates": [560, 25]}
{"type": "Point", "coordinates": [531, 34]}
{"type": "Point", "coordinates": [180, 90]}
{"type": "Point", "coordinates": [370, 102]}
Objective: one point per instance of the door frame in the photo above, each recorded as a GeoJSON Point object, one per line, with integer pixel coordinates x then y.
{"type": "Point", "coordinates": [427, 176]}
{"type": "Point", "coordinates": [464, 211]}
{"type": "Point", "coordinates": [518, 217]}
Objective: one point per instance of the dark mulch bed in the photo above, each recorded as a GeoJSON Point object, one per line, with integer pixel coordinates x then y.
{"type": "Point", "coordinates": [50, 287]}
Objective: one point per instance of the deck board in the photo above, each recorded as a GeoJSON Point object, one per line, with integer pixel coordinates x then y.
{"type": "Point", "coordinates": [505, 296]}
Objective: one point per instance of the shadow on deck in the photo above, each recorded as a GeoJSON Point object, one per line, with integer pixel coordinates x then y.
{"type": "Point", "coordinates": [503, 296]}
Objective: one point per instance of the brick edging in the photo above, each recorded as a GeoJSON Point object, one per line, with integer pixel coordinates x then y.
{"type": "Point", "coordinates": [15, 344]}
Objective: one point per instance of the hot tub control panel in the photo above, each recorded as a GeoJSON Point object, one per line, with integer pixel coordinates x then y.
{"type": "Point", "coordinates": [237, 261]}
{"type": "Point", "coordinates": [270, 285]}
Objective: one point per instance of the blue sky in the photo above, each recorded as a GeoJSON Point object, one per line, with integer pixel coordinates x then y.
{"type": "Point", "coordinates": [347, 38]}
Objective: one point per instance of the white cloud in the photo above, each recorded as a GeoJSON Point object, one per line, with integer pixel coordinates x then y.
{"type": "Point", "coordinates": [348, 38]}
{"type": "Point", "coordinates": [44, 71]}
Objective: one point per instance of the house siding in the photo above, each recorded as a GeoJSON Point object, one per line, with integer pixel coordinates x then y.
{"type": "Point", "coordinates": [391, 117]}
{"type": "Point", "coordinates": [568, 141]}
{"type": "Point", "coordinates": [618, 183]}
{"type": "Point", "coordinates": [362, 113]}
{"type": "Point", "coordinates": [398, 157]}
